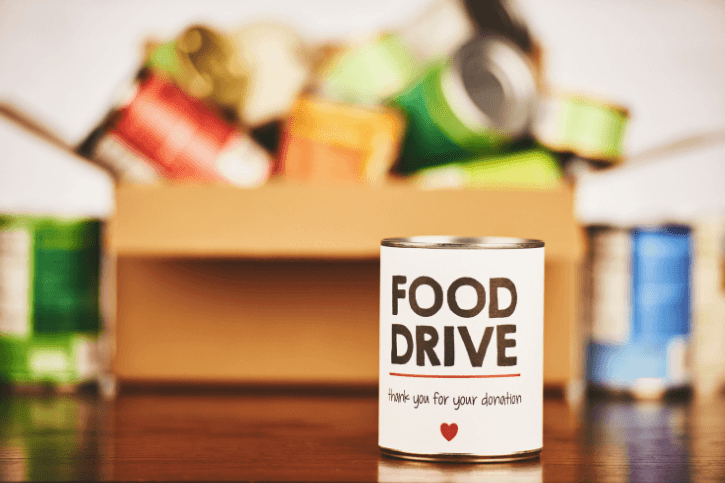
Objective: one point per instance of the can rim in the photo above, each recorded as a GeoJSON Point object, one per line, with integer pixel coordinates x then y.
{"type": "Point", "coordinates": [462, 457]}
{"type": "Point", "coordinates": [462, 242]}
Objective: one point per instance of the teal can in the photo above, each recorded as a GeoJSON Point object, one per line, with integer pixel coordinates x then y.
{"type": "Point", "coordinates": [476, 103]}
{"type": "Point", "coordinates": [50, 316]}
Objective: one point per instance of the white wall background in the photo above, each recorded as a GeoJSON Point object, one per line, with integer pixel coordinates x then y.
{"type": "Point", "coordinates": [64, 63]}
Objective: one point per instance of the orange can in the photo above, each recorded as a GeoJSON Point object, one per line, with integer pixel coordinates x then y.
{"type": "Point", "coordinates": [326, 141]}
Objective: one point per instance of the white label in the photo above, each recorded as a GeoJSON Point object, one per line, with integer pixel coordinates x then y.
{"type": "Point", "coordinates": [461, 350]}
{"type": "Point", "coordinates": [15, 251]}
{"type": "Point", "coordinates": [677, 370]}
{"type": "Point", "coordinates": [708, 307]}
{"type": "Point", "coordinates": [47, 360]}
{"type": "Point", "coordinates": [244, 163]}
{"type": "Point", "coordinates": [610, 287]}
{"type": "Point", "coordinates": [127, 166]}
{"type": "Point", "coordinates": [86, 357]}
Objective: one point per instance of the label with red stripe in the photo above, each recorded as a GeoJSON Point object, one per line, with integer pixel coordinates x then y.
{"type": "Point", "coordinates": [461, 350]}
{"type": "Point", "coordinates": [178, 132]}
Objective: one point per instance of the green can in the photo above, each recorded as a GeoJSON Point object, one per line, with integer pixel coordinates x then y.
{"type": "Point", "coordinates": [371, 72]}
{"type": "Point", "coordinates": [478, 102]}
{"type": "Point", "coordinates": [49, 300]}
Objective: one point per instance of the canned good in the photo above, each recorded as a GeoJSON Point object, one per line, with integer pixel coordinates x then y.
{"type": "Point", "coordinates": [111, 152]}
{"type": "Point", "coordinates": [370, 72]}
{"type": "Point", "coordinates": [182, 138]}
{"type": "Point", "coordinates": [277, 63]}
{"type": "Point", "coordinates": [326, 141]}
{"type": "Point", "coordinates": [445, 25]}
{"type": "Point", "coordinates": [461, 348]}
{"type": "Point", "coordinates": [477, 103]}
{"type": "Point", "coordinates": [708, 306]}
{"type": "Point", "coordinates": [533, 168]}
{"type": "Point", "coordinates": [502, 17]}
{"type": "Point", "coordinates": [438, 31]}
{"type": "Point", "coordinates": [640, 310]}
{"type": "Point", "coordinates": [49, 301]}
{"type": "Point", "coordinates": [205, 64]}
{"type": "Point", "coordinates": [591, 129]}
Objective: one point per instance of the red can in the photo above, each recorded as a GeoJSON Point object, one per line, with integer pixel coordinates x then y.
{"type": "Point", "coordinates": [185, 138]}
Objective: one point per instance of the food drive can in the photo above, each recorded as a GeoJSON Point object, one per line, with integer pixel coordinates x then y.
{"type": "Point", "coordinates": [461, 348]}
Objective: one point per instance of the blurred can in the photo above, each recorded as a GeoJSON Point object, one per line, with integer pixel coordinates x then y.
{"type": "Point", "coordinates": [254, 74]}
{"type": "Point", "coordinates": [373, 70]}
{"type": "Point", "coordinates": [277, 63]}
{"type": "Point", "coordinates": [640, 310]}
{"type": "Point", "coordinates": [477, 103]}
{"type": "Point", "coordinates": [205, 64]}
{"type": "Point", "coordinates": [446, 25]}
{"type": "Point", "coordinates": [49, 301]}
{"type": "Point", "coordinates": [708, 306]}
{"type": "Point", "coordinates": [178, 137]}
{"type": "Point", "coordinates": [590, 128]}
{"type": "Point", "coordinates": [113, 154]}
{"type": "Point", "coordinates": [370, 72]}
{"type": "Point", "coordinates": [438, 31]}
{"type": "Point", "coordinates": [533, 168]}
{"type": "Point", "coordinates": [331, 142]}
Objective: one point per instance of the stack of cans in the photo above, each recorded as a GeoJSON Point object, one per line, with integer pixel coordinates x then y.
{"type": "Point", "coordinates": [49, 301]}
{"type": "Point", "coordinates": [476, 103]}
{"type": "Point", "coordinates": [640, 310]}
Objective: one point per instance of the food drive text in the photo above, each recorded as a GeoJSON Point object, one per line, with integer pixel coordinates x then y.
{"type": "Point", "coordinates": [423, 339]}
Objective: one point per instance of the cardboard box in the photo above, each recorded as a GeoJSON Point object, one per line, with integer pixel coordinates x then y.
{"type": "Point", "coordinates": [281, 284]}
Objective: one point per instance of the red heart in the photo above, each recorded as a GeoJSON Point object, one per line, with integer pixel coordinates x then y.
{"type": "Point", "coordinates": [449, 431]}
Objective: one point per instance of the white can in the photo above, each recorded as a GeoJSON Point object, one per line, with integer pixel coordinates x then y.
{"type": "Point", "coordinates": [461, 348]}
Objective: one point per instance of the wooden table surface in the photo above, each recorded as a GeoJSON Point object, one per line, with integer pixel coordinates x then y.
{"type": "Point", "coordinates": [333, 437]}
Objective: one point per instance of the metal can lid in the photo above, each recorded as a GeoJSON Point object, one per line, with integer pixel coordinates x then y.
{"type": "Point", "coordinates": [499, 81]}
{"type": "Point", "coordinates": [462, 242]}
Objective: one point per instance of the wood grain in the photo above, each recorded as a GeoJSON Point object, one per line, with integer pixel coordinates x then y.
{"type": "Point", "coordinates": [333, 437]}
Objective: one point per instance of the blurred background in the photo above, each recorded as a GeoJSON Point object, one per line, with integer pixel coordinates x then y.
{"type": "Point", "coordinates": [194, 193]}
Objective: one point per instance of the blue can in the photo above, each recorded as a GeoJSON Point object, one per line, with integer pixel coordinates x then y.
{"type": "Point", "coordinates": [640, 310]}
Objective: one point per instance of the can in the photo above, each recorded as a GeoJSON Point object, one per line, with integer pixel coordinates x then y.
{"type": "Point", "coordinates": [532, 168]}
{"type": "Point", "coordinates": [445, 25]}
{"type": "Point", "coordinates": [369, 73]}
{"type": "Point", "coordinates": [278, 64]}
{"type": "Point", "coordinates": [50, 314]}
{"type": "Point", "coordinates": [185, 139]}
{"type": "Point", "coordinates": [326, 141]}
{"type": "Point", "coordinates": [590, 128]}
{"type": "Point", "coordinates": [476, 103]}
{"type": "Point", "coordinates": [640, 310]}
{"type": "Point", "coordinates": [158, 130]}
{"type": "Point", "coordinates": [204, 63]}
{"type": "Point", "coordinates": [113, 153]}
{"type": "Point", "coordinates": [254, 73]}
{"type": "Point", "coordinates": [461, 348]}
{"type": "Point", "coordinates": [708, 306]}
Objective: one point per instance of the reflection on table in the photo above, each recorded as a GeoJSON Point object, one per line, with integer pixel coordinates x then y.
{"type": "Point", "coordinates": [333, 437]}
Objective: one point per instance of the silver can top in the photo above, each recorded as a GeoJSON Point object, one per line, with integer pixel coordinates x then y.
{"type": "Point", "coordinates": [462, 242]}
{"type": "Point", "coordinates": [498, 81]}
